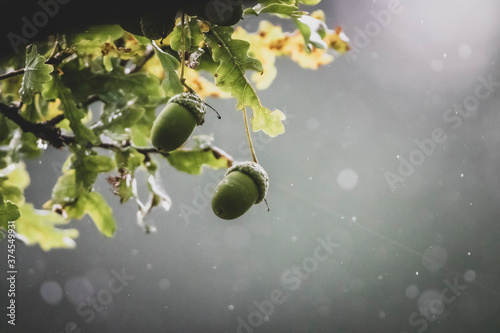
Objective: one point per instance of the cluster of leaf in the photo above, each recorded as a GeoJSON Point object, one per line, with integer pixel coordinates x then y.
{"type": "Point", "coordinates": [126, 78]}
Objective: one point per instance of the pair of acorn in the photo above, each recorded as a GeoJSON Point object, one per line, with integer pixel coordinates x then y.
{"type": "Point", "coordinates": [244, 184]}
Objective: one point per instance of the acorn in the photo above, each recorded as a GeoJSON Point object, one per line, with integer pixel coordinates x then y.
{"type": "Point", "coordinates": [131, 25]}
{"type": "Point", "coordinates": [243, 185]}
{"type": "Point", "coordinates": [219, 12]}
{"type": "Point", "coordinates": [224, 12]}
{"type": "Point", "coordinates": [177, 121]}
{"type": "Point", "coordinates": [157, 25]}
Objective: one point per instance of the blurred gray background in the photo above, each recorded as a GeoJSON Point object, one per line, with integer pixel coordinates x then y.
{"type": "Point", "coordinates": [419, 256]}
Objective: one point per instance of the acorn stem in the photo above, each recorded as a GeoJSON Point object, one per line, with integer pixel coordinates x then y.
{"type": "Point", "coordinates": [183, 49]}
{"type": "Point", "coordinates": [183, 53]}
{"type": "Point", "coordinates": [249, 137]}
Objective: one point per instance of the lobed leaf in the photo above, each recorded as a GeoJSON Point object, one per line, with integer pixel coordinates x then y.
{"type": "Point", "coordinates": [93, 204]}
{"type": "Point", "coordinates": [13, 180]}
{"type": "Point", "coordinates": [8, 211]}
{"type": "Point", "coordinates": [192, 33]}
{"type": "Point", "coordinates": [192, 160]}
{"type": "Point", "coordinates": [29, 146]}
{"type": "Point", "coordinates": [115, 87]}
{"type": "Point", "coordinates": [80, 172]}
{"type": "Point", "coordinates": [310, 2]}
{"type": "Point", "coordinates": [129, 158]}
{"type": "Point", "coordinates": [97, 33]}
{"type": "Point", "coordinates": [116, 122]}
{"type": "Point", "coordinates": [171, 84]}
{"type": "Point", "coordinates": [71, 112]}
{"type": "Point", "coordinates": [10, 89]}
{"type": "Point", "coordinates": [202, 154]}
{"type": "Point", "coordinates": [230, 76]}
{"type": "Point", "coordinates": [36, 74]}
{"type": "Point", "coordinates": [39, 227]}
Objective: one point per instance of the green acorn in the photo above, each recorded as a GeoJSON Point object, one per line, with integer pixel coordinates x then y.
{"type": "Point", "coordinates": [244, 185]}
{"type": "Point", "coordinates": [219, 12]}
{"type": "Point", "coordinates": [157, 25]}
{"type": "Point", "coordinates": [223, 12]}
{"type": "Point", "coordinates": [131, 25]}
{"type": "Point", "coordinates": [177, 121]}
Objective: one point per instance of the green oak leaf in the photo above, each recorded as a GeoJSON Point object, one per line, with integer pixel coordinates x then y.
{"type": "Point", "coordinates": [129, 158]}
{"type": "Point", "coordinates": [6, 131]}
{"type": "Point", "coordinates": [88, 165]}
{"type": "Point", "coordinates": [192, 33]}
{"type": "Point", "coordinates": [5, 159]}
{"type": "Point", "coordinates": [171, 84]}
{"type": "Point", "coordinates": [116, 122]}
{"type": "Point", "coordinates": [36, 74]}
{"type": "Point", "coordinates": [39, 227]}
{"type": "Point", "coordinates": [115, 87]}
{"type": "Point", "coordinates": [32, 111]}
{"type": "Point", "coordinates": [192, 160]}
{"type": "Point", "coordinates": [310, 2]}
{"type": "Point", "coordinates": [80, 172]}
{"type": "Point", "coordinates": [230, 77]}
{"type": "Point", "coordinates": [13, 180]}
{"type": "Point", "coordinates": [71, 111]}
{"type": "Point", "coordinates": [66, 189]}
{"type": "Point", "coordinates": [29, 146]}
{"type": "Point", "coordinates": [97, 34]}
{"type": "Point", "coordinates": [8, 211]}
{"type": "Point", "coordinates": [93, 204]}
{"type": "Point", "coordinates": [10, 89]}
{"type": "Point", "coordinates": [73, 190]}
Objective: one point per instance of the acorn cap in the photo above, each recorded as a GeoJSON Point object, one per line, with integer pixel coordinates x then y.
{"type": "Point", "coordinates": [256, 172]}
{"type": "Point", "coordinates": [193, 103]}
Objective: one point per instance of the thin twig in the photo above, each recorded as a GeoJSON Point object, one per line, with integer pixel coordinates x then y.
{"type": "Point", "coordinates": [142, 150]}
{"type": "Point", "coordinates": [183, 53]}
{"type": "Point", "coordinates": [56, 46]}
{"type": "Point", "coordinates": [53, 60]}
{"type": "Point", "coordinates": [183, 47]}
{"type": "Point", "coordinates": [54, 121]}
{"type": "Point", "coordinates": [48, 132]}
{"type": "Point", "coordinates": [12, 74]}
